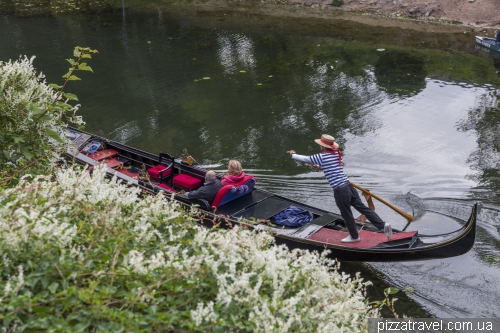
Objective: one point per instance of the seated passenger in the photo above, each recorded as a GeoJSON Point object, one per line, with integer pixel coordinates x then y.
{"type": "Point", "coordinates": [234, 175]}
{"type": "Point", "coordinates": [209, 190]}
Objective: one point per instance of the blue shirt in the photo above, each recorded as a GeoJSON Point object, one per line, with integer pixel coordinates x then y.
{"type": "Point", "coordinates": [329, 163]}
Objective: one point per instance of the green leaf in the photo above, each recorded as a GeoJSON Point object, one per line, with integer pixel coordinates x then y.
{"type": "Point", "coordinates": [72, 62]}
{"type": "Point", "coordinates": [243, 71]}
{"type": "Point", "coordinates": [76, 52]}
{"type": "Point", "coordinates": [44, 117]}
{"type": "Point", "coordinates": [25, 150]}
{"type": "Point", "coordinates": [55, 86]}
{"type": "Point", "coordinates": [83, 66]}
{"type": "Point", "coordinates": [42, 310]}
{"type": "Point", "coordinates": [35, 109]}
{"type": "Point", "coordinates": [53, 287]}
{"type": "Point", "coordinates": [87, 56]}
{"type": "Point", "coordinates": [65, 76]}
{"type": "Point", "coordinates": [54, 135]}
{"type": "Point", "coordinates": [81, 327]}
{"type": "Point", "coordinates": [391, 290]}
{"type": "Point", "coordinates": [18, 139]}
{"type": "Point", "coordinates": [73, 78]}
{"type": "Point", "coordinates": [71, 96]}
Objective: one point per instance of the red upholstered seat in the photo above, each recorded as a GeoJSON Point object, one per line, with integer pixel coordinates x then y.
{"type": "Point", "coordinates": [114, 163]}
{"type": "Point", "coordinates": [187, 182]}
{"type": "Point", "coordinates": [103, 154]}
{"type": "Point", "coordinates": [168, 188]}
{"type": "Point", "coordinates": [155, 171]}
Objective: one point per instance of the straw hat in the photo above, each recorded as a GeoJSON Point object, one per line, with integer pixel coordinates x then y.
{"type": "Point", "coordinates": [327, 141]}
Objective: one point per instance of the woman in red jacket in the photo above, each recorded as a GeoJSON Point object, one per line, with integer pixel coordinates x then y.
{"type": "Point", "coordinates": [234, 175]}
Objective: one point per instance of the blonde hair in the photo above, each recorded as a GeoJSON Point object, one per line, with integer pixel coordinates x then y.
{"type": "Point", "coordinates": [234, 167]}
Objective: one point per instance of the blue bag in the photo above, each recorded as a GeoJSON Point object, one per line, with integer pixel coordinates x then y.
{"type": "Point", "coordinates": [292, 217]}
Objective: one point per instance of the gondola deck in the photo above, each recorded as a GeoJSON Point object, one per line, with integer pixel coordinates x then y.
{"type": "Point", "coordinates": [255, 207]}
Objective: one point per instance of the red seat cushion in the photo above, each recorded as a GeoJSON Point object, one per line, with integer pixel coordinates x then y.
{"type": "Point", "coordinates": [114, 163]}
{"type": "Point", "coordinates": [103, 154]}
{"type": "Point", "coordinates": [167, 188]}
{"type": "Point", "coordinates": [187, 182]}
{"type": "Point", "coordinates": [154, 172]}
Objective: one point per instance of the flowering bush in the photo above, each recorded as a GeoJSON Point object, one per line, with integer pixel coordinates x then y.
{"type": "Point", "coordinates": [82, 253]}
{"type": "Point", "coordinates": [33, 114]}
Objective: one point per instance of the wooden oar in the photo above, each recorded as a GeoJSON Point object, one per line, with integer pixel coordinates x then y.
{"type": "Point", "coordinates": [396, 209]}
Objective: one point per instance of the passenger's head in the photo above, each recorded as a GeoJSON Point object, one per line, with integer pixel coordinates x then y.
{"type": "Point", "coordinates": [210, 176]}
{"type": "Point", "coordinates": [234, 167]}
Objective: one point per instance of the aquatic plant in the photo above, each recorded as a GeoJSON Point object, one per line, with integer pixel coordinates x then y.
{"type": "Point", "coordinates": [82, 252]}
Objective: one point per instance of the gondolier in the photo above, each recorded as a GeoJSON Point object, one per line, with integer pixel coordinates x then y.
{"type": "Point", "coordinates": [330, 161]}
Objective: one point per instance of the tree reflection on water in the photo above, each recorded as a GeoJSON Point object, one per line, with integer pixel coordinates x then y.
{"type": "Point", "coordinates": [484, 120]}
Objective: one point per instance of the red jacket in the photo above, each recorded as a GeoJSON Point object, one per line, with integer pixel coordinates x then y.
{"type": "Point", "coordinates": [232, 179]}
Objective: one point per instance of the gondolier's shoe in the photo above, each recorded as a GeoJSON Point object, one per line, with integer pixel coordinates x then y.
{"type": "Point", "coordinates": [388, 231]}
{"type": "Point", "coordinates": [349, 239]}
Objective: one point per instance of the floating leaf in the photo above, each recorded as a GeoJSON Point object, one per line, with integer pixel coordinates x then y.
{"type": "Point", "coordinates": [259, 84]}
{"type": "Point", "coordinates": [391, 290]}
{"type": "Point", "coordinates": [380, 50]}
{"type": "Point", "coordinates": [408, 290]}
{"type": "Point", "coordinates": [194, 58]}
{"type": "Point", "coordinates": [318, 45]}
{"type": "Point", "coordinates": [206, 78]}
{"type": "Point", "coordinates": [271, 76]}
{"type": "Point", "coordinates": [243, 71]}
{"type": "Point", "coordinates": [195, 80]}
{"type": "Point", "coordinates": [149, 42]}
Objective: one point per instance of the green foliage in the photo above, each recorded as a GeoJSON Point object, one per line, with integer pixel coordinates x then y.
{"type": "Point", "coordinates": [84, 254]}
{"type": "Point", "coordinates": [337, 3]}
{"type": "Point", "coordinates": [33, 115]}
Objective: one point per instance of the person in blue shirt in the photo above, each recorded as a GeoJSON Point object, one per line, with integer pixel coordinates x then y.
{"type": "Point", "coordinates": [330, 161]}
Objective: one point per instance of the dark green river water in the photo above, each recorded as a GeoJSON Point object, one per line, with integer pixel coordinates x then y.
{"type": "Point", "coordinates": [413, 112]}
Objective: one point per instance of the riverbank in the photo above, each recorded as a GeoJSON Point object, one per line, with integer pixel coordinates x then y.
{"type": "Point", "coordinates": [449, 16]}
{"type": "Point", "coordinates": [478, 16]}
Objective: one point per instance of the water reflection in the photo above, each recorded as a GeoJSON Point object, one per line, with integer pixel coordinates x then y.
{"type": "Point", "coordinates": [235, 52]}
{"type": "Point", "coordinates": [400, 73]}
{"type": "Point", "coordinates": [484, 119]}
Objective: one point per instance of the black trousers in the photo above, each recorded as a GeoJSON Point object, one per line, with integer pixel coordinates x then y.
{"type": "Point", "coordinates": [347, 196]}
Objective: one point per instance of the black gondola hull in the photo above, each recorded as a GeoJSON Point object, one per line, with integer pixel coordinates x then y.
{"type": "Point", "coordinates": [259, 204]}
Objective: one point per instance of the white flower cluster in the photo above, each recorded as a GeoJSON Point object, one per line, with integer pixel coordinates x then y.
{"type": "Point", "coordinates": [281, 290]}
{"type": "Point", "coordinates": [23, 95]}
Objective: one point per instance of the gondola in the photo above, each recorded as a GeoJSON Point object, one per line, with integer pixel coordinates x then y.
{"type": "Point", "coordinates": [488, 43]}
{"type": "Point", "coordinates": [253, 207]}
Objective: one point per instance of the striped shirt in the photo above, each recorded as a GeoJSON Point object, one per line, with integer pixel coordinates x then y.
{"type": "Point", "coordinates": [330, 165]}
